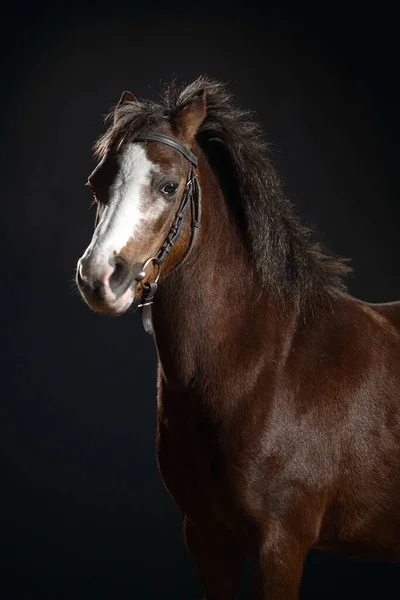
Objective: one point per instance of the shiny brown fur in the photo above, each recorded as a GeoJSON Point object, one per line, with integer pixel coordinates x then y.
{"type": "Point", "coordinates": [278, 421]}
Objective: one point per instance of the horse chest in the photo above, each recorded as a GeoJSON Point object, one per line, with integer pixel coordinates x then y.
{"type": "Point", "coordinates": [192, 464]}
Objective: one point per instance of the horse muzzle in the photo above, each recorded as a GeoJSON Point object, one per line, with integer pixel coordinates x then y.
{"type": "Point", "coordinates": [107, 288]}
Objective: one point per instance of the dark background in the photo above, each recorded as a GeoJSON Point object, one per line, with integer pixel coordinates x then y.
{"type": "Point", "coordinates": [84, 512]}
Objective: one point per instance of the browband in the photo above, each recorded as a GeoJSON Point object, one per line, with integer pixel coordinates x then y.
{"type": "Point", "coordinates": [166, 139]}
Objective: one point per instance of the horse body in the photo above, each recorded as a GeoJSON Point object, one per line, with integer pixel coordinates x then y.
{"type": "Point", "coordinates": [278, 420]}
{"type": "Point", "coordinates": [315, 440]}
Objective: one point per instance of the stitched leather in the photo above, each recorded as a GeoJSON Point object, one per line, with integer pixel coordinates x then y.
{"type": "Point", "coordinates": [191, 197]}
{"type": "Point", "coordinates": [147, 300]}
{"type": "Point", "coordinates": [166, 139]}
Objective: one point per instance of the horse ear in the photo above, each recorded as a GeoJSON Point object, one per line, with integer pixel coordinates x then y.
{"type": "Point", "coordinates": [191, 117]}
{"type": "Point", "coordinates": [126, 98]}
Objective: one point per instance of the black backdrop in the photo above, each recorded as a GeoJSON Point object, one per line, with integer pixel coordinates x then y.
{"type": "Point", "coordinates": [84, 512]}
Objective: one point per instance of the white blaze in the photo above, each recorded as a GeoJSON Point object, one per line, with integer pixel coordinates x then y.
{"type": "Point", "coordinates": [125, 213]}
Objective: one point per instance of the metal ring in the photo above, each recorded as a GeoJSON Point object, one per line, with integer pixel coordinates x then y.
{"type": "Point", "coordinates": [148, 261]}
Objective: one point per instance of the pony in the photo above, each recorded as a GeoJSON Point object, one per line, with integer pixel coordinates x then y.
{"type": "Point", "coordinates": [278, 421]}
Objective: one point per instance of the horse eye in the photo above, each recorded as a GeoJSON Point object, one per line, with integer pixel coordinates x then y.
{"type": "Point", "coordinates": [169, 188]}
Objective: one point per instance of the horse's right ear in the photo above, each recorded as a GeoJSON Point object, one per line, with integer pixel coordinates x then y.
{"type": "Point", "coordinates": [126, 98]}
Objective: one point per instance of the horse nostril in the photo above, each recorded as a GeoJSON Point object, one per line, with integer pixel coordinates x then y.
{"type": "Point", "coordinates": [119, 274]}
{"type": "Point", "coordinates": [80, 274]}
{"type": "Point", "coordinates": [83, 274]}
{"type": "Point", "coordinates": [118, 269]}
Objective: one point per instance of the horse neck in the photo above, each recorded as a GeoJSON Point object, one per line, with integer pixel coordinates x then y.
{"type": "Point", "coordinates": [213, 306]}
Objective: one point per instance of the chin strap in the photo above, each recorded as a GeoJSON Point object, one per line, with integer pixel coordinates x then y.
{"type": "Point", "coordinates": [191, 197]}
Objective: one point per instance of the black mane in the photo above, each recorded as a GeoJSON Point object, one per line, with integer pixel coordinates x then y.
{"type": "Point", "coordinates": [287, 261]}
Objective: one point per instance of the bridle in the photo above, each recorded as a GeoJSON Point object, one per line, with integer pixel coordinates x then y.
{"type": "Point", "coordinates": [191, 196]}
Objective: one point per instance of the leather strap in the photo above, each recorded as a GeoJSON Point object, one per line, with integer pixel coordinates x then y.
{"type": "Point", "coordinates": [147, 300]}
{"type": "Point", "coordinates": [177, 224]}
{"type": "Point", "coordinates": [169, 141]}
{"type": "Point", "coordinates": [191, 197]}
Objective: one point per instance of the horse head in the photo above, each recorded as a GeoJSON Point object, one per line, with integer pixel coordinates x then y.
{"type": "Point", "coordinates": [139, 186]}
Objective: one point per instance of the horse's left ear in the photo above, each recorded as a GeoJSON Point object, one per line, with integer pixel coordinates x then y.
{"type": "Point", "coordinates": [191, 117]}
{"type": "Point", "coordinates": [126, 97]}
